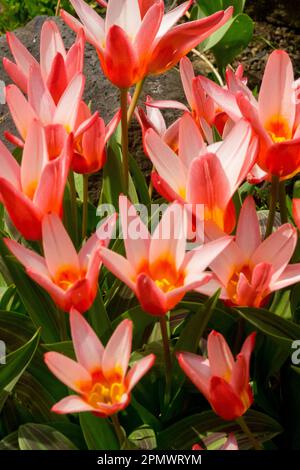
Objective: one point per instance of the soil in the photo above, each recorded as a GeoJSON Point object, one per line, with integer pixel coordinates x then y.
{"type": "Point", "coordinates": [277, 25]}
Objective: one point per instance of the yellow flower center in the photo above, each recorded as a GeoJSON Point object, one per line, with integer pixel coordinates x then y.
{"type": "Point", "coordinates": [278, 129]}
{"type": "Point", "coordinates": [107, 390]}
{"type": "Point", "coordinates": [164, 284]}
{"type": "Point", "coordinates": [233, 282]}
{"type": "Point", "coordinates": [67, 276]}
{"type": "Point", "coordinates": [31, 189]}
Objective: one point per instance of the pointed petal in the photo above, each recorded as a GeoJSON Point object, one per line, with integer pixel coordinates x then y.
{"type": "Point", "coordinates": [224, 401]}
{"type": "Point", "coordinates": [276, 101]}
{"type": "Point", "coordinates": [39, 97]}
{"type": "Point", "coordinates": [248, 240]}
{"type": "Point", "coordinates": [191, 143]}
{"type": "Point", "coordinates": [147, 32]}
{"type": "Point", "coordinates": [117, 351]}
{"type": "Point", "coordinates": [139, 369]}
{"type": "Point", "coordinates": [198, 259]}
{"type": "Point", "coordinates": [16, 74]}
{"type": "Point", "coordinates": [152, 299]}
{"type": "Point", "coordinates": [75, 56]}
{"type": "Point", "coordinates": [68, 371]}
{"type": "Point", "coordinates": [197, 369]}
{"type": "Point", "coordinates": [225, 99]}
{"type": "Point", "coordinates": [231, 443]}
{"type": "Point", "coordinates": [220, 357]}
{"type": "Point", "coordinates": [51, 44]}
{"type": "Point", "coordinates": [57, 80]}
{"type": "Point", "coordinates": [88, 348]}
{"type": "Point", "coordinates": [125, 14]}
{"type": "Point", "coordinates": [283, 158]}
{"type": "Point", "coordinates": [22, 56]}
{"type": "Point", "coordinates": [28, 258]}
{"type": "Point", "coordinates": [119, 266]}
{"type": "Point", "coordinates": [76, 26]}
{"type": "Point", "coordinates": [290, 276]}
{"type": "Point", "coordinates": [9, 168]}
{"type": "Point", "coordinates": [71, 404]}
{"type": "Point", "coordinates": [187, 74]}
{"type": "Point", "coordinates": [171, 18]}
{"type": "Point", "coordinates": [67, 108]}
{"type": "Point", "coordinates": [90, 19]}
{"type": "Point", "coordinates": [58, 248]}
{"type": "Point", "coordinates": [21, 111]}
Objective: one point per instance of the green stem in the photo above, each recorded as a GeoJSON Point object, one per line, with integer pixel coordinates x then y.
{"type": "Point", "coordinates": [57, 8]}
{"type": "Point", "coordinates": [118, 429]}
{"type": "Point", "coordinates": [134, 100]}
{"type": "Point", "coordinates": [124, 125]}
{"type": "Point", "coordinates": [272, 205]}
{"type": "Point", "coordinates": [74, 206]}
{"type": "Point", "coordinates": [168, 359]}
{"type": "Point", "coordinates": [282, 203]}
{"type": "Point", "coordinates": [85, 205]}
{"type": "Point", "coordinates": [246, 430]}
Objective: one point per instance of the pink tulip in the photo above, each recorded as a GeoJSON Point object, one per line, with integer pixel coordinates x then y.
{"type": "Point", "coordinates": [57, 66]}
{"type": "Point", "coordinates": [156, 268]}
{"type": "Point", "coordinates": [71, 279]}
{"type": "Point", "coordinates": [70, 114]}
{"type": "Point", "coordinates": [99, 377]}
{"type": "Point", "coordinates": [275, 118]}
{"type": "Point", "coordinates": [136, 38]}
{"type": "Point", "coordinates": [200, 174]}
{"type": "Point", "coordinates": [37, 186]}
{"type": "Point", "coordinates": [229, 444]}
{"type": "Point", "coordinates": [249, 270]}
{"type": "Point", "coordinates": [223, 381]}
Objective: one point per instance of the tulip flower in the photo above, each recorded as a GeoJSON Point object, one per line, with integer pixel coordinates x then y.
{"type": "Point", "coordinates": [223, 381]}
{"type": "Point", "coordinates": [274, 118]}
{"type": "Point", "coordinates": [156, 268]}
{"type": "Point", "coordinates": [99, 377]}
{"type": "Point", "coordinates": [249, 269]}
{"type": "Point", "coordinates": [229, 444]}
{"type": "Point", "coordinates": [136, 38]}
{"type": "Point", "coordinates": [203, 175]}
{"type": "Point", "coordinates": [296, 211]}
{"type": "Point", "coordinates": [71, 279]}
{"type": "Point", "coordinates": [71, 114]}
{"type": "Point", "coordinates": [36, 187]}
{"type": "Point", "coordinates": [57, 66]}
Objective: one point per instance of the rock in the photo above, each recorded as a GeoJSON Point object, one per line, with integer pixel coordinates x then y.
{"type": "Point", "coordinates": [104, 96]}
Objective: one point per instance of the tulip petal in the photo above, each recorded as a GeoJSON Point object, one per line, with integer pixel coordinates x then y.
{"type": "Point", "coordinates": [220, 357]}
{"type": "Point", "coordinates": [171, 18]}
{"type": "Point", "coordinates": [191, 143]}
{"type": "Point", "coordinates": [126, 15]}
{"type": "Point", "coordinates": [39, 96]}
{"type": "Point", "coordinates": [71, 404]}
{"type": "Point", "coordinates": [21, 111]}
{"type": "Point", "coordinates": [289, 276]}
{"type": "Point", "coordinates": [119, 266]}
{"type": "Point", "coordinates": [224, 401]}
{"type": "Point", "coordinates": [225, 99]}
{"type": "Point", "coordinates": [76, 26]}
{"type": "Point", "coordinates": [51, 44]}
{"type": "Point", "coordinates": [117, 351]}
{"type": "Point", "coordinates": [90, 19]}
{"type": "Point", "coordinates": [139, 369]}
{"type": "Point", "coordinates": [67, 108]}
{"type": "Point", "coordinates": [197, 369]}
{"type": "Point", "coordinates": [88, 348]}
{"type": "Point", "coordinates": [58, 247]}
{"type": "Point", "coordinates": [16, 74]}
{"type": "Point", "coordinates": [231, 443]}
{"type": "Point", "coordinates": [27, 257]}
{"type": "Point", "coordinates": [22, 56]}
{"type": "Point", "coordinates": [283, 158]}
{"type": "Point", "coordinates": [57, 80]}
{"type": "Point", "coordinates": [69, 372]}
{"type": "Point", "coordinates": [9, 168]}
{"type": "Point", "coordinates": [198, 259]}
{"type": "Point", "coordinates": [248, 240]}
{"type": "Point", "coordinates": [147, 32]}
{"type": "Point", "coordinates": [152, 299]}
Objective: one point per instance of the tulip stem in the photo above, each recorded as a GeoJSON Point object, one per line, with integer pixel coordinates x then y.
{"type": "Point", "coordinates": [134, 100]}
{"type": "Point", "coordinates": [74, 207]}
{"type": "Point", "coordinates": [272, 205]}
{"type": "Point", "coordinates": [282, 203]}
{"type": "Point", "coordinates": [85, 179]}
{"type": "Point", "coordinates": [118, 429]}
{"type": "Point", "coordinates": [246, 430]}
{"type": "Point", "coordinates": [168, 359]}
{"type": "Point", "coordinates": [124, 125]}
{"type": "Point", "coordinates": [57, 8]}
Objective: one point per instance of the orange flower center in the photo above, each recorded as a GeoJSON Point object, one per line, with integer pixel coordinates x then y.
{"type": "Point", "coordinates": [279, 129]}
{"type": "Point", "coordinates": [215, 214]}
{"type": "Point", "coordinates": [233, 282]}
{"type": "Point", "coordinates": [31, 189]}
{"type": "Point", "coordinates": [108, 391]}
{"type": "Point", "coordinates": [67, 276]}
{"type": "Point", "coordinates": [166, 276]}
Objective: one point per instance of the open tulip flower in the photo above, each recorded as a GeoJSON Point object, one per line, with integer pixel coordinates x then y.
{"type": "Point", "coordinates": [136, 38]}
{"type": "Point", "coordinates": [223, 381]}
{"type": "Point", "coordinates": [229, 444]}
{"type": "Point", "coordinates": [57, 66]}
{"type": "Point", "coordinates": [157, 269]}
{"type": "Point", "coordinates": [71, 279]}
{"type": "Point", "coordinates": [36, 187]}
{"type": "Point", "coordinates": [219, 167]}
{"type": "Point", "coordinates": [274, 117]}
{"type": "Point", "coordinates": [70, 114]}
{"type": "Point", "coordinates": [99, 378]}
{"type": "Point", "coordinates": [249, 270]}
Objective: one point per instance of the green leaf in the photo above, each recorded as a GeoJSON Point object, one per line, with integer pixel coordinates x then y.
{"type": "Point", "coordinates": [234, 40]}
{"type": "Point", "coordinates": [238, 5]}
{"type": "Point", "coordinates": [139, 181]}
{"type": "Point", "coordinates": [112, 184]}
{"type": "Point", "coordinates": [185, 433]}
{"type": "Point", "coordinates": [99, 319]}
{"type": "Point", "coordinates": [79, 185]}
{"type": "Point", "coordinates": [16, 364]}
{"type": "Point", "coordinates": [283, 331]}
{"type": "Point", "coordinates": [10, 442]}
{"type": "Point", "coordinates": [41, 437]}
{"type": "Point", "coordinates": [98, 433]}
{"type": "Point", "coordinates": [143, 438]}
{"type": "Point", "coordinates": [142, 324]}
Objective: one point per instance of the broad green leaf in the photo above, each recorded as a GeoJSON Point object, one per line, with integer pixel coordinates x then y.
{"type": "Point", "coordinates": [10, 442]}
{"type": "Point", "coordinates": [186, 432]}
{"type": "Point", "coordinates": [238, 5]}
{"type": "Point", "coordinates": [139, 181]}
{"type": "Point", "coordinates": [79, 185]}
{"type": "Point", "coordinates": [112, 184]}
{"type": "Point", "coordinates": [234, 40]}
{"type": "Point", "coordinates": [99, 319]}
{"type": "Point", "coordinates": [64, 347]}
{"type": "Point", "coordinates": [16, 364]}
{"type": "Point", "coordinates": [34, 436]}
{"type": "Point", "coordinates": [98, 432]}
{"type": "Point", "coordinates": [143, 438]}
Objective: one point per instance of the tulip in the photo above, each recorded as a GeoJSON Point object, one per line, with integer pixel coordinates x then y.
{"type": "Point", "coordinates": [274, 118]}
{"type": "Point", "coordinates": [99, 377]}
{"type": "Point", "coordinates": [249, 270]}
{"type": "Point", "coordinates": [57, 66]}
{"type": "Point", "coordinates": [229, 444]}
{"type": "Point", "coordinates": [71, 279]}
{"type": "Point", "coordinates": [36, 187]}
{"type": "Point", "coordinates": [200, 174]}
{"type": "Point", "coordinates": [296, 211]}
{"type": "Point", "coordinates": [71, 114]}
{"type": "Point", "coordinates": [136, 38]}
{"type": "Point", "coordinates": [223, 381]}
{"type": "Point", "coordinates": [156, 268]}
